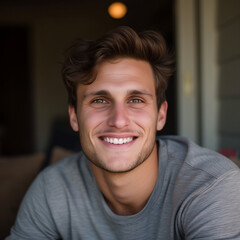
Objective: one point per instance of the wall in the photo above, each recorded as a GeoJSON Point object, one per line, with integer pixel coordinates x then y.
{"type": "Point", "coordinates": [228, 25]}
{"type": "Point", "coordinates": [208, 74]}
{"type": "Point", "coordinates": [187, 78]}
{"type": "Point", "coordinates": [208, 37]}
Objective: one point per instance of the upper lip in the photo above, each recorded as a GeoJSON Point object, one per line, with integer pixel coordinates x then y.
{"type": "Point", "coordinates": [118, 135]}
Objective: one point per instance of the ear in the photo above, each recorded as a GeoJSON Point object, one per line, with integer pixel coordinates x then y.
{"type": "Point", "coordinates": [162, 115]}
{"type": "Point", "coordinates": [73, 118]}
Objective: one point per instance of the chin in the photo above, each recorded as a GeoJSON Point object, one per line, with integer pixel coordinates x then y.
{"type": "Point", "coordinates": [117, 166]}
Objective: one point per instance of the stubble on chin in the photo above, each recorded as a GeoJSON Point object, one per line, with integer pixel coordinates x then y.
{"type": "Point", "coordinates": [140, 159]}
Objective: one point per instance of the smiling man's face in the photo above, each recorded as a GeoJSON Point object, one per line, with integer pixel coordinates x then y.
{"type": "Point", "coordinates": [117, 115]}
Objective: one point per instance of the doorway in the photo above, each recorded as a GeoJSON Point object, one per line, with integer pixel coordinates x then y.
{"type": "Point", "coordinates": [16, 117]}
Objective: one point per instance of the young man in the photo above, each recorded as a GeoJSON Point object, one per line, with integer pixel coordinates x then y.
{"type": "Point", "coordinates": [126, 184]}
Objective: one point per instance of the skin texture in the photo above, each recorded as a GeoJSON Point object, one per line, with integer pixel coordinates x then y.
{"type": "Point", "coordinates": [120, 104]}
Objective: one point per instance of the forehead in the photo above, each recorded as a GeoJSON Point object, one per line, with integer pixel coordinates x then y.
{"type": "Point", "coordinates": [124, 65]}
{"type": "Point", "coordinates": [122, 74]}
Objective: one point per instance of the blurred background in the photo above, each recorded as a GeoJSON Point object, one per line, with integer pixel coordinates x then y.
{"type": "Point", "coordinates": [203, 96]}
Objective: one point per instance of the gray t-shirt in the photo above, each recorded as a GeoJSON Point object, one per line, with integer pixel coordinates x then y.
{"type": "Point", "coordinates": [197, 196]}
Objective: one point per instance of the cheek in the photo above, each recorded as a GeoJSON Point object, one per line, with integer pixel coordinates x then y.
{"type": "Point", "coordinates": [145, 119]}
{"type": "Point", "coordinates": [90, 120]}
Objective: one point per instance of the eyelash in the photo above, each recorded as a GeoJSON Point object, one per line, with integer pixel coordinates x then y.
{"type": "Point", "coordinates": [136, 100]}
{"type": "Point", "coordinates": [99, 101]}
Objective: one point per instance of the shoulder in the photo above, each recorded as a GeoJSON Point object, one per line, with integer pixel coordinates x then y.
{"type": "Point", "coordinates": [72, 165]}
{"type": "Point", "coordinates": [193, 169]}
{"type": "Point", "coordinates": [214, 209]}
{"type": "Point", "coordinates": [66, 175]}
{"type": "Point", "coordinates": [196, 158]}
{"type": "Point", "coordinates": [206, 191]}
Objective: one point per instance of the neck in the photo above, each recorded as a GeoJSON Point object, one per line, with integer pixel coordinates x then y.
{"type": "Point", "coordinates": [127, 193]}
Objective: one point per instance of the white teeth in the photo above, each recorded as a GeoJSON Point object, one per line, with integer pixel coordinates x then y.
{"type": "Point", "coordinates": [118, 140]}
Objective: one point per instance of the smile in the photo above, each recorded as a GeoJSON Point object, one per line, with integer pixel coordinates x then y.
{"type": "Point", "coordinates": [117, 141]}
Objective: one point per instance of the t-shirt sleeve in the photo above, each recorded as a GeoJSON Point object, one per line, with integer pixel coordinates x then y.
{"type": "Point", "coordinates": [214, 213]}
{"type": "Point", "coordinates": [34, 220]}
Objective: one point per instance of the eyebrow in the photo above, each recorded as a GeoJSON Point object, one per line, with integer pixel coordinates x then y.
{"type": "Point", "coordinates": [96, 93]}
{"type": "Point", "coordinates": [138, 92]}
{"type": "Point", "coordinates": [107, 93]}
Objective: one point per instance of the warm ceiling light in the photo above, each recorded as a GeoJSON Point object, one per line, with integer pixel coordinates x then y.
{"type": "Point", "coordinates": [117, 10]}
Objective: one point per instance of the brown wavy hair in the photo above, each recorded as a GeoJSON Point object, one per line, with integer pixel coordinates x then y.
{"type": "Point", "coordinates": [83, 57]}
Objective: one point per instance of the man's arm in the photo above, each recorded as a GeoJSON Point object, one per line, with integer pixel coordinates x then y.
{"type": "Point", "coordinates": [215, 212]}
{"type": "Point", "coordinates": [34, 220]}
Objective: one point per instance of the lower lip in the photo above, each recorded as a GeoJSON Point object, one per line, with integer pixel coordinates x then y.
{"type": "Point", "coordinates": [118, 145]}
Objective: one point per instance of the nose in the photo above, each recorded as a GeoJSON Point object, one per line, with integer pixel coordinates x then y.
{"type": "Point", "coordinates": [118, 117]}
